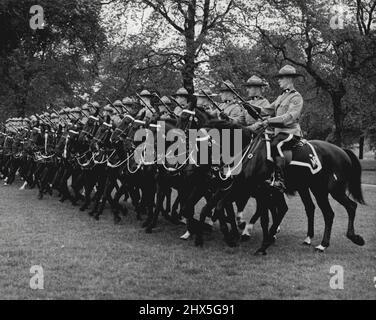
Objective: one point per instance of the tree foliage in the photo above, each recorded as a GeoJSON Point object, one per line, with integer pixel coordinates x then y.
{"type": "Point", "coordinates": [40, 66]}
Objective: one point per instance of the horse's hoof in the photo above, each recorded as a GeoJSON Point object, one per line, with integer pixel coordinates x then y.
{"type": "Point", "coordinates": [358, 240]}
{"type": "Point", "coordinates": [307, 241]}
{"type": "Point", "coordinates": [96, 217]}
{"type": "Point", "coordinates": [320, 249]}
{"type": "Point", "coordinates": [145, 224]}
{"type": "Point", "coordinates": [91, 213]}
{"type": "Point", "coordinates": [148, 230]}
{"type": "Point", "coordinates": [245, 238]}
{"type": "Point", "coordinates": [82, 208]}
{"type": "Point", "coordinates": [260, 252]}
{"type": "Point", "coordinates": [185, 236]}
{"type": "Point", "coordinates": [117, 220]}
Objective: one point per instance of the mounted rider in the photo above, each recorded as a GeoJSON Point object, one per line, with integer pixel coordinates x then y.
{"type": "Point", "coordinates": [181, 97]}
{"type": "Point", "coordinates": [254, 87]}
{"type": "Point", "coordinates": [204, 102]}
{"type": "Point", "coordinates": [146, 111]}
{"type": "Point", "coordinates": [130, 106]}
{"type": "Point", "coordinates": [165, 114]}
{"type": "Point", "coordinates": [117, 115]}
{"type": "Point", "coordinates": [231, 108]}
{"type": "Point", "coordinates": [285, 115]}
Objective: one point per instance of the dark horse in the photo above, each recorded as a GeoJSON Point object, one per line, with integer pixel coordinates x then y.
{"type": "Point", "coordinates": [341, 172]}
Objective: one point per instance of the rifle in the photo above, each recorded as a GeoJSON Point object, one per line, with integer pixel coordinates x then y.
{"type": "Point", "coordinates": [12, 126]}
{"type": "Point", "coordinates": [145, 104]}
{"type": "Point", "coordinates": [58, 114]}
{"type": "Point", "coordinates": [173, 99]}
{"type": "Point", "coordinates": [50, 122]}
{"type": "Point", "coordinates": [250, 109]}
{"type": "Point", "coordinates": [212, 101]}
{"type": "Point", "coordinates": [168, 109]}
{"type": "Point", "coordinates": [113, 105]}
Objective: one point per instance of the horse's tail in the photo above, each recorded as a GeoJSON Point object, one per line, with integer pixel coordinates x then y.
{"type": "Point", "coordinates": [355, 174]}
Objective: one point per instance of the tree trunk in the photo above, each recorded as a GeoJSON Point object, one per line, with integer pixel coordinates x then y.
{"type": "Point", "coordinates": [189, 67]}
{"type": "Point", "coordinates": [188, 74]}
{"type": "Point", "coordinates": [361, 147]}
{"type": "Point", "coordinates": [339, 117]}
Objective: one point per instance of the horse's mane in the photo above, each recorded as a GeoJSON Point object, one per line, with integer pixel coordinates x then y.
{"type": "Point", "coordinates": [171, 121]}
{"type": "Point", "coordinates": [224, 124]}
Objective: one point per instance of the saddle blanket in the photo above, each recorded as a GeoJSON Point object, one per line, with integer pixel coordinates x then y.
{"type": "Point", "coordinates": [304, 155]}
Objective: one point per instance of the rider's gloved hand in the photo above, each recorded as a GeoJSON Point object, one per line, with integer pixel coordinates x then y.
{"type": "Point", "coordinates": [224, 116]}
{"type": "Point", "coordinates": [257, 125]}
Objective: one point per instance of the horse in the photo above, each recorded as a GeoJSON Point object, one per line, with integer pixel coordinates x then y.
{"type": "Point", "coordinates": [340, 172]}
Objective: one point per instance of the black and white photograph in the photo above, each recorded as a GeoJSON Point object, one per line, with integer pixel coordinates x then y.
{"type": "Point", "coordinates": [187, 155]}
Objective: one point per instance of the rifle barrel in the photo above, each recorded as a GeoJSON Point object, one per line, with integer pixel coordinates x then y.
{"type": "Point", "coordinates": [113, 105]}
{"type": "Point", "coordinates": [168, 109]}
{"type": "Point", "coordinates": [243, 100]}
{"type": "Point", "coordinates": [212, 101]}
{"type": "Point", "coordinates": [145, 104]}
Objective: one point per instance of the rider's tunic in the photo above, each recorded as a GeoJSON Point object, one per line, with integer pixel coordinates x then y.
{"type": "Point", "coordinates": [285, 112]}
{"type": "Point", "coordinates": [234, 111]}
{"type": "Point", "coordinates": [259, 103]}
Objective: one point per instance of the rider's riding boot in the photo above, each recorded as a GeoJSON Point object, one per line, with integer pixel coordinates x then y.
{"type": "Point", "coordinates": [279, 180]}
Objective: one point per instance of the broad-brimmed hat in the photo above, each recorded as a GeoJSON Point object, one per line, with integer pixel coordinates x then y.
{"type": "Point", "coordinates": [128, 101]}
{"type": "Point", "coordinates": [108, 108]}
{"type": "Point", "coordinates": [182, 92]}
{"type": "Point", "coordinates": [118, 103]}
{"type": "Point", "coordinates": [145, 93]}
{"type": "Point", "coordinates": [54, 115]}
{"type": "Point", "coordinates": [224, 88]}
{"type": "Point", "coordinates": [33, 118]}
{"type": "Point", "coordinates": [166, 100]}
{"type": "Point", "coordinates": [288, 71]}
{"type": "Point", "coordinates": [200, 93]}
{"type": "Point", "coordinates": [85, 107]}
{"type": "Point", "coordinates": [76, 110]}
{"type": "Point", "coordinates": [255, 81]}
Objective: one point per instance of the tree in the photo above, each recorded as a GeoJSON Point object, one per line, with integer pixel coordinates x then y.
{"type": "Point", "coordinates": [331, 57]}
{"type": "Point", "coordinates": [39, 66]}
{"type": "Point", "coordinates": [189, 24]}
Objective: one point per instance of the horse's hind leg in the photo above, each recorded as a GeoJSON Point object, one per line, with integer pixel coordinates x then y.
{"type": "Point", "coordinates": [328, 213]}
{"type": "Point", "coordinates": [350, 207]}
{"type": "Point", "coordinates": [310, 212]}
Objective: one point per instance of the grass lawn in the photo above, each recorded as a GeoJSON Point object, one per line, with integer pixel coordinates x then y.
{"type": "Point", "coordinates": [369, 177]}
{"type": "Point", "coordinates": [86, 259]}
